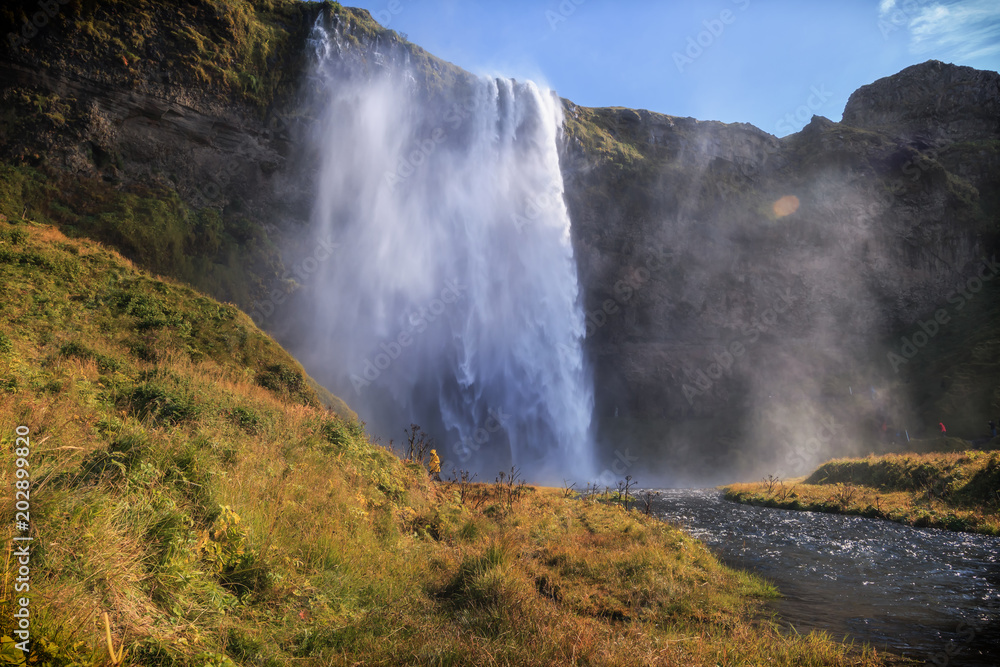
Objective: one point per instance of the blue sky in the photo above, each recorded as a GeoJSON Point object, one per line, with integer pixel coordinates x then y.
{"type": "Point", "coordinates": [772, 63]}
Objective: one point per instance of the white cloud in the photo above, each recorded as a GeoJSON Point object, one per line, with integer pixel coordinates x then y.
{"type": "Point", "coordinates": [958, 29]}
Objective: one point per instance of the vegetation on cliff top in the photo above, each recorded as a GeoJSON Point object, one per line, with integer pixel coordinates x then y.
{"type": "Point", "coordinates": [249, 51]}
{"type": "Point", "coordinates": [234, 49]}
{"type": "Point", "coordinates": [185, 483]}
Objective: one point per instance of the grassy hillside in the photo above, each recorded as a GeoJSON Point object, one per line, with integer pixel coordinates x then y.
{"type": "Point", "coordinates": [957, 491]}
{"type": "Point", "coordinates": [228, 256]}
{"type": "Point", "coordinates": [186, 483]}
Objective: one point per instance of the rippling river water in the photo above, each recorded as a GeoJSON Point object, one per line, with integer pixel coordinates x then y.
{"type": "Point", "coordinates": [924, 593]}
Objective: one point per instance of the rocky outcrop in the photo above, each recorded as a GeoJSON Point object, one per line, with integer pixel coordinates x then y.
{"type": "Point", "coordinates": [211, 157]}
{"type": "Point", "coordinates": [739, 286]}
{"type": "Point", "coordinates": [191, 104]}
{"type": "Point", "coordinates": [929, 104]}
{"type": "Point", "coordinates": [163, 130]}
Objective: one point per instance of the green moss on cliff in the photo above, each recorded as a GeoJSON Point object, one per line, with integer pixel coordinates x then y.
{"type": "Point", "coordinates": [595, 129]}
{"type": "Point", "coordinates": [252, 51]}
{"type": "Point", "coordinates": [250, 55]}
{"type": "Point", "coordinates": [227, 256]}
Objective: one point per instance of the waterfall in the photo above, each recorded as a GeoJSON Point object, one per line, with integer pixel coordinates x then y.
{"type": "Point", "coordinates": [452, 298]}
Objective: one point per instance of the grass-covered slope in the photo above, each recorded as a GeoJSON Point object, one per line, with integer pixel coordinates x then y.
{"type": "Point", "coordinates": [230, 257]}
{"type": "Point", "coordinates": [957, 491]}
{"type": "Point", "coordinates": [185, 482]}
{"type": "Point", "coordinates": [64, 301]}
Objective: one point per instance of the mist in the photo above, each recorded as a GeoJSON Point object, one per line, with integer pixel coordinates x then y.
{"type": "Point", "coordinates": [778, 274]}
{"type": "Point", "coordinates": [451, 299]}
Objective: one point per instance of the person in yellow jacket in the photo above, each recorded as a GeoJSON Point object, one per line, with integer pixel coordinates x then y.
{"type": "Point", "coordinates": [434, 466]}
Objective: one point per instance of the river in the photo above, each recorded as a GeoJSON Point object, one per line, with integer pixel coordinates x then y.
{"type": "Point", "coordinates": [924, 593]}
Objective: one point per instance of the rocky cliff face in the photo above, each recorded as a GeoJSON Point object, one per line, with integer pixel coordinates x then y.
{"type": "Point", "coordinates": [931, 104]}
{"type": "Point", "coordinates": [739, 287]}
{"type": "Point", "coordinates": [178, 131]}
{"type": "Point", "coordinates": [166, 129]}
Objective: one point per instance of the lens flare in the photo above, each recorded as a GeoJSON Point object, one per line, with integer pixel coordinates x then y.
{"type": "Point", "coordinates": [785, 206]}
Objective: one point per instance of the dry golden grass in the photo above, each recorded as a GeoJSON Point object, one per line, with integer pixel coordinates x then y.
{"type": "Point", "coordinates": [955, 491]}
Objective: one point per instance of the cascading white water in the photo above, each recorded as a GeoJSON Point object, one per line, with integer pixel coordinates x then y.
{"type": "Point", "coordinates": [452, 299]}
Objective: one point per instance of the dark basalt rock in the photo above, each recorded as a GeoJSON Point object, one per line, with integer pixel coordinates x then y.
{"type": "Point", "coordinates": [929, 104]}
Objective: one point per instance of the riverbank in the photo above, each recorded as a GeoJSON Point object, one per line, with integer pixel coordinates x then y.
{"type": "Point", "coordinates": [955, 491]}
{"type": "Point", "coordinates": [193, 503]}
